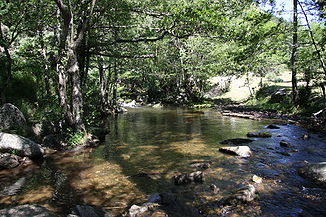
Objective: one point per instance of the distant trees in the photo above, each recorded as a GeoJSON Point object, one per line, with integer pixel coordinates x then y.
{"type": "Point", "coordinates": [85, 55]}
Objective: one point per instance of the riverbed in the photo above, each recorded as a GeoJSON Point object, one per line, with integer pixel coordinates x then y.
{"type": "Point", "coordinates": [146, 147]}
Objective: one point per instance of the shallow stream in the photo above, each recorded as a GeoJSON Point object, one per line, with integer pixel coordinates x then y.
{"type": "Point", "coordinates": [146, 147]}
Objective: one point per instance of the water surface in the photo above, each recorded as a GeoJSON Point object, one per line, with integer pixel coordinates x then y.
{"type": "Point", "coordinates": [159, 142]}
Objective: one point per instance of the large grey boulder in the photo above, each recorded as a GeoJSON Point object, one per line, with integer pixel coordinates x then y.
{"type": "Point", "coordinates": [315, 172]}
{"type": "Point", "coordinates": [19, 145]}
{"type": "Point", "coordinates": [242, 151]}
{"type": "Point", "coordinates": [26, 211]}
{"type": "Point", "coordinates": [11, 118]}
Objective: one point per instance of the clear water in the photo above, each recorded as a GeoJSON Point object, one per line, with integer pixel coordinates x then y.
{"type": "Point", "coordinates": [159, 142]}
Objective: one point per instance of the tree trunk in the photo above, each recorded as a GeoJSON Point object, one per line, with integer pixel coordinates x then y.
{"type": "Point", "coordinates": [294, 52]}
{"type": "Point", "coordinates": [46, 66]}
{"type": "Point", "coordinates": [321, 60]}
{"type": "Point", "coordinates": [76, 94]}
{"type": "Point", "coordinates": [103, 87]}
{"type": "Point", "coordinates": [114, 91]}
{"type": "Point", "coordinates": [71, 41]}
{"type": "Point", "coordinates": [8, 68]}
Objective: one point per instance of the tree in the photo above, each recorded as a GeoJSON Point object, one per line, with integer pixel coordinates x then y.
{"type": "Point", "coordinates": [73, 33]}
{"type": "Point", "coordinates": [294, 52]}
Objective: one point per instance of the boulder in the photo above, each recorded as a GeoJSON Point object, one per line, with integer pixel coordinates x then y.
{"type": "Point", "coordinates": [8, 161]}
{"type": "Point", "coordinates": [194, 177]}
{"type": "Point", "coordinates": [242, 195]}
{"type": "Point", "coordinates": [26, 211]}
{"type": "Point", "coordinates": [19, 145]}
{"type": "Point", "coordinates": [236, 141]}
{"type": "Point", "coordinates": [315, 172]}
{"type": "Point", "coordinates": [242, 151]}
{"type": "Point", "coordinates": [259, 135]}
{"type": "Point", "coordinates": [11, 118]}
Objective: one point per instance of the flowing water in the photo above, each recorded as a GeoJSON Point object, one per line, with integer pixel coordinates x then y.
{"type": "Point", "coordinates": [146, 147]}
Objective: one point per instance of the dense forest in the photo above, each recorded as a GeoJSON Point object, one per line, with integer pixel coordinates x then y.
{"type": "Point", "coordinates": [78, 60]}
{"type": "Point", "coordinates": [162, 108]}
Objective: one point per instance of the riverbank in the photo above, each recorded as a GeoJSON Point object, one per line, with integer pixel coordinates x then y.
{"type": "Point", "coordinates": [312, 123]}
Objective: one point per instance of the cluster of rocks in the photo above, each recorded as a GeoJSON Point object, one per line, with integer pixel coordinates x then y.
{"type": "Point", "coordinates": [15, 148]}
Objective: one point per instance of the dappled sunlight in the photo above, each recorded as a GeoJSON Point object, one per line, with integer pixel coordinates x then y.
{"type": "Point", "coordinates": [144, 151]}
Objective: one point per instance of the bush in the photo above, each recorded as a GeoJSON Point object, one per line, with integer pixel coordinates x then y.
{"type": "Point", "coordinates": [76, 138]}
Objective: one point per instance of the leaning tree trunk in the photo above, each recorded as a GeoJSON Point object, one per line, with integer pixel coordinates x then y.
{"type": "Point", "coordinates": [294, 52]}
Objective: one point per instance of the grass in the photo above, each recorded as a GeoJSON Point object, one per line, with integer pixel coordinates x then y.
{"type": "Point", "coordinates": [260, 97]}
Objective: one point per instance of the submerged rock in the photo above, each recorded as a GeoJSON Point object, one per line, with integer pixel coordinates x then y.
{"type": "Point", "coordinates": [14, 188]}
{"type": "Point", "coordinates": [163, 198]}
{"type": "Point", "coordinates": [155, 198]}
{"type": "Point", "coordinates": [147, 209]}
{"type": "Point", "coordinates": [236, 141]}
{"type": "Point", "coordinates": [90, 211]}
{"type": "Point", "coordinates": [8, 161]}
{"type": "Point", "coordinates": [19, 145]}
{"type": "Point", "coordinates": [305, 137]}
{"type": "Point", "coordinates": [257, 179]}
{"type": "Point", "coordinates": [285, 144]}
{"type": "Point", "coordinates": [153, 176]}
{"type": "Point", "coordinates": [214, 188]}
{"type": "Point", "coordinates": [242, 195]}
{"type": "Point", "coordinates": [196, 177]}
{"type": "Point", "coordinates": [315, 172]}
{"type": "Point", "coordinates": [26, 211]}
{"type": "Point", "coordinates": [11, 118]}
{"type": "Point", "coordinates": [260, 135]}
{"type": "Point", "coordinates": [242, 151]}
{"type": "Point", "coordinates": [201, 164]}
{"type": "Point", "coordinates": [273, 126]}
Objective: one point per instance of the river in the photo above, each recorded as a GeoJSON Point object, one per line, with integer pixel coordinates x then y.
{"type": "Point", "coordinates": [146, 147]}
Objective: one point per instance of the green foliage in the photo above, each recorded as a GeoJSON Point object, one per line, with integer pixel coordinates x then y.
{"type": "Point", "coordinates": [152, 51]}
{"type": "Point", "coordinates": [75, 138]}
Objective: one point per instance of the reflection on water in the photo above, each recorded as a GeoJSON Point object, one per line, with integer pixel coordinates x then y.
{"type": "Point", "coordinates": [158, 142]}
